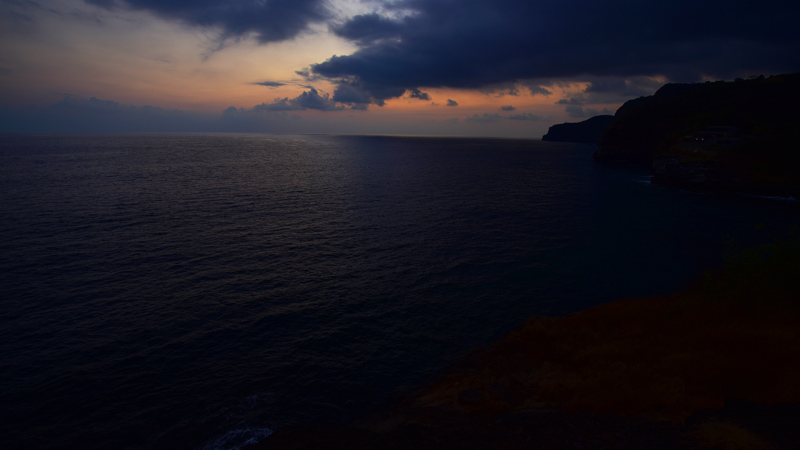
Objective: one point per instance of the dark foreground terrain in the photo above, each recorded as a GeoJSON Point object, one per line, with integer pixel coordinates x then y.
{"type": "Point", "coordinates": [715, 366]}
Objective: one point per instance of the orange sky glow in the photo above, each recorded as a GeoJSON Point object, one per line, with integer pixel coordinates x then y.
{"type": "Point", "coordinates": [79, 51]}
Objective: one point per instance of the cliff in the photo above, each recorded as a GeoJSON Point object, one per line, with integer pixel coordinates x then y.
{"type": "Point", "coordinates": [590, 130]}
{"type": "Point", "coordinates": [725, 136]}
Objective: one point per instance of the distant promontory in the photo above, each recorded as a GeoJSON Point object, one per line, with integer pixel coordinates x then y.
{"type": "Point", "coordinates": [736, 136]}
{"type": "Point", "coordinates": [590, 130]}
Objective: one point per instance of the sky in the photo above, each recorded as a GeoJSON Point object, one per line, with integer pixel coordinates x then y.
{"type": "Point", "coordinates": [505, 68]}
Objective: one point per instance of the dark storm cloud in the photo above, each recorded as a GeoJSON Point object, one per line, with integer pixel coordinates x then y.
{"type": "Point", "coordinates": [346, 93]}
{"type": "Point", "coordinates": [507, 108]}
{"type": "Point", "coordinates": [478, 43]}
{"type": "Point", "coordinates": [367, 29]}
{"type": "Point", "coordinates": [451, 102]}
{"type": "Point", "coordinates": [268, 20]}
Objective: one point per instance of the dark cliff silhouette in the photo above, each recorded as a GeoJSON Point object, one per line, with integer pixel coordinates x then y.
{"type": "Point", "coordinates": [739, 136]}
{"type": "Point", "coordinates": [590, 130]}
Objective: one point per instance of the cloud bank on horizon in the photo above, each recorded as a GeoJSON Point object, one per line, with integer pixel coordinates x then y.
{"type": "Point", "coordinates": [406, 49]}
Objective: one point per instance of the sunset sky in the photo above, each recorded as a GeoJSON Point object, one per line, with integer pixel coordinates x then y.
{"type": "Point", "coordinates": [430, 67]}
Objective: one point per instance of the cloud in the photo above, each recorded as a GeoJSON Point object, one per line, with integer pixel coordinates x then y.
{"type": "Point", "coordinates": [515, 88]}
{"type": "Point", "coordinates": [270, 83]}
{"type": "Point", "coordinates": [501, 89]}
{"type": "Point", "coordinates": [367, 29]}
{"type": "Point", "coordinates": [267, 20]}
{"type": "Point", "coordinates": [485, 42]}
{"type": "Point", "coordinates": [307, 75]}
{"type": "Point", "coordinates": [451, 102]}
{"type": "Point", "coordinates": [578, 99]}
{"type": "Point", "coordinates": [76, 114]}
{"type": "Point", "coordinates": [527, 116]}
{"type": "Point", "coordinates": [538, 90]}
{"type": "Point", "coordinates": [255, 119]}
{"type": "Point", "coordinates": [279, 104]}
{"type": "Point", "coordinates": [605, 90]}
{"type": "Point", "coordinates": [575, 111]}
{"type": "Point", "coordinates": [416, 93]}
{"type": "Point", "coordinates": [351, 95]}
{"type": "Point", "coordinates": [307, 100]}
{"type": "Point", "coordinates": [507, 108]}
{"type": "Point", "coordinates": [495, 117]}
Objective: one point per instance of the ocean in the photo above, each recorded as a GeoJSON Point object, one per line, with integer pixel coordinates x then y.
{"type": "Point", "coordinates": [198, 291]}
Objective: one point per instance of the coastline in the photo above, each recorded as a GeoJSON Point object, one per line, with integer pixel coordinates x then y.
{"type": "Point", "coordinates": [714, 366]}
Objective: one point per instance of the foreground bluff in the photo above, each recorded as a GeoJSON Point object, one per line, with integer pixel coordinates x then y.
{"type": "Point", "coordinates": [741, 136]}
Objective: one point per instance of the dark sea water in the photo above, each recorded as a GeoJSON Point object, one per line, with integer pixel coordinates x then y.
{"type": "Point", "coordinates": [199, 291]}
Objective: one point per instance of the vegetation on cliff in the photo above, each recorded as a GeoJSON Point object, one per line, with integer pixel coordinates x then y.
{"type": "Point", "coordinates": [667, 130]}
